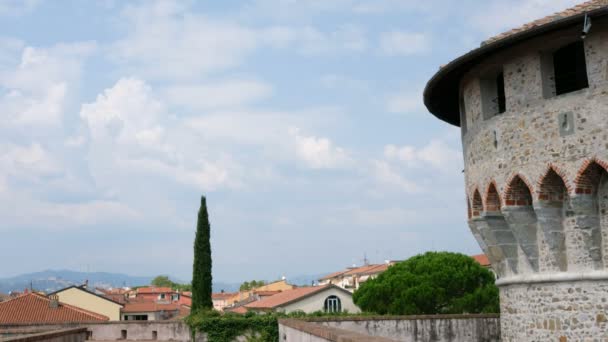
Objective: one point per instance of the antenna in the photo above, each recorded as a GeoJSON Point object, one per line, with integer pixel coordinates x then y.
{"type": "Point", "coordinates": [586, 27]}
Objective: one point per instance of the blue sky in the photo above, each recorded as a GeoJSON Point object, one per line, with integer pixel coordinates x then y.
{"type": "Point", "coordinates": [301, 121]}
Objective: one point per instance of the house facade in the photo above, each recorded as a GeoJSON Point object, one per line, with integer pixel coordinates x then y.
{"type": "Point", "coordinates": [80, 297]}
{"type": "Point", "coordinates": [325, 298]}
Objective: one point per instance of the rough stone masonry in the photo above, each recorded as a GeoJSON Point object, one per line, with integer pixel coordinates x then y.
{"type": "Point", "coordinates": [532, 105]}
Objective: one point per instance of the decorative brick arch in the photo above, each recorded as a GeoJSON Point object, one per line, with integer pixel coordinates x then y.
{"type": "Point", "coordinates": [493, 201]}
{"type": "Point", "coordinates": [518, 191]}
{"type": "Point", "coordinates": [588, 176]}
{"type": "Point", "coordinates": [553, 186]}
{"type": "Point", "coordinates": [477, 204]}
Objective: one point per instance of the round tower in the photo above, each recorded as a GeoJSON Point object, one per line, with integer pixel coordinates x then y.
{"type": "Point", "coordinates": [532, 105]}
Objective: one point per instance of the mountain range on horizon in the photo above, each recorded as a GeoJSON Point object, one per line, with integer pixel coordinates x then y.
{"type": "Point", "coordinates": [52, 280]}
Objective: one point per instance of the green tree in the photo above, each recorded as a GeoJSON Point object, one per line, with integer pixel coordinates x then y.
{"type": "Point", "coordinates": [430, 283]}
{"type": "Point", "coordinates": [162, 281]}
{"type": "Point", "coordinates": [244, 286]}
{"type": "Point", "coordinates": [201, 270]}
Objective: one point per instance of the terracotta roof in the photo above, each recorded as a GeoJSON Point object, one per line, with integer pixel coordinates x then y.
{"type": "Point", "coordinates": [578, 9]}
{"type": "Point", "coordinates": [335, 274]}
{"type": "Point", "coordinates": [266, 293]}
{"type": "Point", "coordinates": [239, 310]}
{"type": "Point", "coordinates": [222, 295]}
{"type": "Point", "coordinates": [154, 290]}
{"type": "Point", "coordinates": [368, 269]}
{"type": "Point", "coordinates": [149, 307]}
{"type": "Point", "coordinates": [35, 308]}
{"type": "Point", "coordinates": [188, 293]}
{"type": "Point", "coordinates": [286, 297]}
{"type": "Point", "coordinates": [482, 259]}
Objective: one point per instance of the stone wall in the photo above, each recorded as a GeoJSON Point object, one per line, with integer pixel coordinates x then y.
{"type": "Point", "coordinates": [114, 331]}
{"type": "Point", "coordinates": [561, 311]}
{"type": "Point", "coordinates": [537, 187]}
{"type": "Point", "coordinates": [428, 328]}
{"type": "Point", "coordinates": [293, 330]}
{"type": "Point", "coordinates": [60, 335]}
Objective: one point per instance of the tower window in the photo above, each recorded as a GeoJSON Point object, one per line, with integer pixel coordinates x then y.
{"type": "Point", "coordinates": [493, 98]}
{"type": "Point", "coordinates": [570, 68]}
{"type": "Point", "coordinates": [501, 101]}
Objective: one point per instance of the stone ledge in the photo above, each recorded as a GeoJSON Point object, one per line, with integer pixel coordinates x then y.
{"type": "Point", "coordinates": [399, 318]}
{"type": "Point", "coordinates": [44, 336]}
{"type": "Point", "coordinates": [552, 278]}
{"type": "Point", "coordinates": [330, 333]}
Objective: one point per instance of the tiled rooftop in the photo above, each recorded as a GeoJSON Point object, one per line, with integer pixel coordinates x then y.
{"type": "Point", "coordinates": [285, 297]}
{"type": "Point", "coordinates": [35, 308]}
{"type": "Point", "coordinates": [578, 9]}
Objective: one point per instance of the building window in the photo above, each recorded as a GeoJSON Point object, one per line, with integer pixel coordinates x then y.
{"type": "Point", "coordinates": [569, 68]}
{"type": "Point", "coordinates": [136, 317]}
{"type": "Point", "coordinates": [332, 304]}
{"type": "Point", "coordinates": [493, 99]}
{"type": "Point", "coordinates": [161, 296]}
{"type": "Point", "coordinates": [501, 101]}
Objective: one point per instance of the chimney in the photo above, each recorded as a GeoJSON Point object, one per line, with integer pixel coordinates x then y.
{"type": "Point", "coordinates": [54, 301]}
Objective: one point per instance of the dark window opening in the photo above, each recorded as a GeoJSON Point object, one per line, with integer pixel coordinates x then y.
{"type": "Point", "coordinates": [332, 304]}
{"type": "Point", "coordinates": [570, 68]}
{"type": "Point", "coordinates": [123, 334]}
{"type": "Point", "coordinates": [501, 100]}
{"type": "Point", "coordinates": [154, 334]}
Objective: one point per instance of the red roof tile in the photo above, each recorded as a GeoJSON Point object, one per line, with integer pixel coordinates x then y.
{"type": "Point", "coordinates": [266, 293]}
{"type": "Point", "coordinates": [482, 259]}
{"type": "Point", "coordinates": [578, 9]}
{"type": "Point", "coordinates": [154, 290]}
{"type": "Point", "coordinates": [333, 275]}
{"type": "Point", "coordinates": [222, 295]}
{"type": "Point", "coordinates": [35, 308]}
{"type": "Point", "coordinates": [285, 297]}
{"type": "Point", "coordinates": [149, 307]}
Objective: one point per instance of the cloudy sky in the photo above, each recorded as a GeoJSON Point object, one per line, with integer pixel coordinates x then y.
{"type": "Point", "coordinates": [300, 120]}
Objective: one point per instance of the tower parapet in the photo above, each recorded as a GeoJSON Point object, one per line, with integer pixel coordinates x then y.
{"type": "Point", "coordinates": [532, 105]}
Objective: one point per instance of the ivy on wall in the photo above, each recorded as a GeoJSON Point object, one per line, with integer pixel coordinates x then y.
{"type": "Point", "coordinates": [257, 327]}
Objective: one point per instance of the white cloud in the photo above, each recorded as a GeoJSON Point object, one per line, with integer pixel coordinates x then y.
{"type": "Point", "coordinates": [17, 7]}
{"type": "Point", "coordinates": [132, 133]}
{"type": "Point", "coordinates": [319, 152]}
{"type": "Point", "coordinates": [497, 16]}
{"type": "Point", "coordinates": [166, 40]}
{"type": "Point", "coordinates": [406, 102]}
{"type": "Point", "coordinates": [402, 43]}
{"type": "Point", "coordinates": [233, 93]}
{"type": "Point", "coordinates": [386, 174]}
{"type": "Point", "coordinates": [38, 87]}
{"type": "Point", "coordinates": [31, 162]}
{"type": "Point", "coordinates": [436, 154]}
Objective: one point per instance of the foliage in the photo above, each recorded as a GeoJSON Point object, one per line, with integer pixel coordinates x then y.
{"type": "Point", "coordinates": [250, 285]}
{"type": "Point", "coordinates": [162, 281]}
{"type": "Point", "coordinates": [165, 281]}
{"type": "Point", "coordinates": [201, 270]}
{"type": "Point", "coordinates": [258, 327]}
{"type": "Point", "coordinates": [430, 283]}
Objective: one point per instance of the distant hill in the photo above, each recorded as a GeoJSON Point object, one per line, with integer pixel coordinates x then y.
{"type": "Point", "coordinates": [52, 280]}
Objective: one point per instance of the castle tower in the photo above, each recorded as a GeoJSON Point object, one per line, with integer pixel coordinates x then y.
{"type": "Point", "coordinates": [532, 105]}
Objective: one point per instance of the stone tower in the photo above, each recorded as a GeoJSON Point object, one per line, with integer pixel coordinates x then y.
{"type": "Point", "coordinates": [532, 104]}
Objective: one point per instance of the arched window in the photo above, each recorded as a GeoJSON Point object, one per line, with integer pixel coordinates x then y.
{"type": "Point", "coordinates": [332, 304]}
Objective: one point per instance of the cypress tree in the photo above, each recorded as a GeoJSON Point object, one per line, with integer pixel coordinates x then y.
{"type": "Point", "coordinates": [201, 270]}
